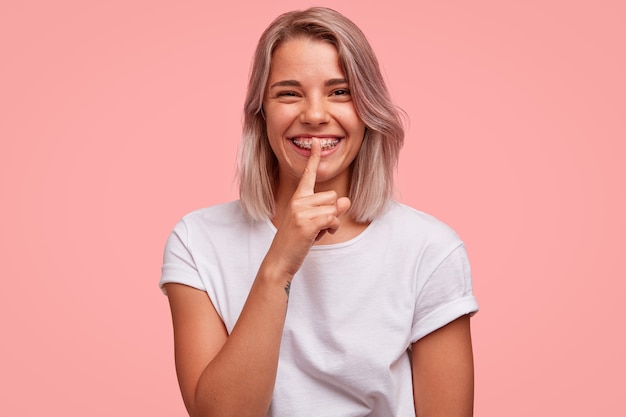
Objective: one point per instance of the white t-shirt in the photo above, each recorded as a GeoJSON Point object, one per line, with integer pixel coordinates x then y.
{"type": "Point", "coordinates": [354, 308]}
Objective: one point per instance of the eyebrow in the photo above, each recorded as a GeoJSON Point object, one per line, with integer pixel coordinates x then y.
{"type": "Point", "coordinates": [294, 83]}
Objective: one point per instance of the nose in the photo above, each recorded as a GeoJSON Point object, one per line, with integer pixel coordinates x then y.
{"type": "Point", "coordinates": [314, 112]}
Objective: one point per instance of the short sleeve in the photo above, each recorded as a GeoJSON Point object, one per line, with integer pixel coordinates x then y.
{"type": "Point", "coordinates": [179, 265]}
{"type": "Point", "coordinates": [445, 296]}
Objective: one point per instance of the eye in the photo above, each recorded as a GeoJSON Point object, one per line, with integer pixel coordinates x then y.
{"type": "Point", "coordinates": [341, 92]}
{"type": "Point", "coordinates": [286, 94]}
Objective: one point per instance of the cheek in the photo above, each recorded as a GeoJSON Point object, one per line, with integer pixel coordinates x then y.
{"type": "Point", "coordinates": [349, 119]}
{"type": "Point", "coordinates": [356, 128]}
{"type": "Point", "coordinates": [274, 130]}
{"type": "Point", "coordinates": [278, 123]}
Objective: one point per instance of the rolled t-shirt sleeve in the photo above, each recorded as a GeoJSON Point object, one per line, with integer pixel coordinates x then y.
{"type": "Point", "coordinates": [179, 265]}
{"type": "Point", "coordinates": [445, 296]}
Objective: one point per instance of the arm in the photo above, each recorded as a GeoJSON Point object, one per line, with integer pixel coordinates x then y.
{"type": "Point", "coordinates": [227, 375]}
{"type": "Point", "coordinates": [443, 372]}
{"type": "Point", "coordinates": [234, 375]}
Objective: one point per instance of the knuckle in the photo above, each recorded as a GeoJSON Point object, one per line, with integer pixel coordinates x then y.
{"type": "Point", "coordinates": [299, 219]}
{"type": "Point", "coordinates": [295, 205]}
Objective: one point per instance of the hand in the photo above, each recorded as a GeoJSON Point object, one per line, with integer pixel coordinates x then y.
{"type": "Point", "coordinates": [308, 217]}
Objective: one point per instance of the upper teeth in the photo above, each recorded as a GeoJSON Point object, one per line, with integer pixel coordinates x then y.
{"type": "Point", "coordinates": [306, 143]}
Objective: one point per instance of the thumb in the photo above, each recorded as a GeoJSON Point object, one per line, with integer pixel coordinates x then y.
{"type": "Point", "coordinates": [343, 204]}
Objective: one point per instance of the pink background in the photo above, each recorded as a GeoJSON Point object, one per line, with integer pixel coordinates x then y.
{"type": "Point", "coordinates": [118, 117]}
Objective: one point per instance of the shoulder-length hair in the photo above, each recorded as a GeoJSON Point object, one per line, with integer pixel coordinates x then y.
{"type": "Point", "coordinates": [371, 185]}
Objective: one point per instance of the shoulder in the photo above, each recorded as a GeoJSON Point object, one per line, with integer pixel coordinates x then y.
{"type": "Point", "coordinates": [218, 213]}
{"type": "Point", "coordinates": [214, 220]}
{"type": "Point", "coordinates": [418, 238]}
{"type": "Point", "coordinates": [225, 214]}
{"type": "Point", "coordinates": [418, 225]}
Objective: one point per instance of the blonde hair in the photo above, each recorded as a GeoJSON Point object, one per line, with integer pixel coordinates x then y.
{"type": "Point", "coordinates": [371, 186]}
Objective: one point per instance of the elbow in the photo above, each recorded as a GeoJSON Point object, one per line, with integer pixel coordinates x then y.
{"type": "Point", "coordinates": [210, 405]}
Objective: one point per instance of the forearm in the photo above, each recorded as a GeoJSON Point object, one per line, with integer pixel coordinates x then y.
{"type": "Point", "coordinates": [239, 381]}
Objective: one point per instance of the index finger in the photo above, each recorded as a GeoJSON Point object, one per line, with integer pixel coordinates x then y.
{"type": "Point", "coordinates": [306, 186]}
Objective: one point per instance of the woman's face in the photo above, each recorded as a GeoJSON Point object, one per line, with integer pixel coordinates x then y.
{"type": "Point", "coordinates": [307, 96]}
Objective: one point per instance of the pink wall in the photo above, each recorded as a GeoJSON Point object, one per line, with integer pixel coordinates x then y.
{"type": "Point", "coordinates": [118, 118]}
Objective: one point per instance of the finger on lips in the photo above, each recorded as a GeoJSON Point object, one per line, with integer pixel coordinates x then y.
{"type": "Point", "coordinates": [320, 204]}
{"type": "Point", "coordinates": [307, 181]}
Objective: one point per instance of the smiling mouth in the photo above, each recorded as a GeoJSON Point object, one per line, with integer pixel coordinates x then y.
{"type": "Point", "coordinates": [307, 143]}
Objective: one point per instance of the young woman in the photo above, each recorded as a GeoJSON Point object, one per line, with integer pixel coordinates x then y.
{"type": "Point", "coordinates": [316, 294]}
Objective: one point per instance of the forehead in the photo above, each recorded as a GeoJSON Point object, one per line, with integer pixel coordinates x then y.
{"type": "Point", "coordinates": [305, 57]}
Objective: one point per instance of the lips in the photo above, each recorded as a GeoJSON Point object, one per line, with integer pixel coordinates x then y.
{"type": "Point", "coordinates": [307, 142]}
